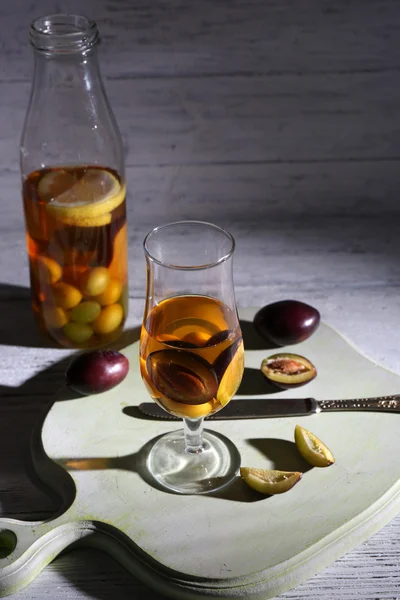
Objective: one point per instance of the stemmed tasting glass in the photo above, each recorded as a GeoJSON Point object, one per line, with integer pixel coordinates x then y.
{"type": "Point", "coordinates": [191, 351]}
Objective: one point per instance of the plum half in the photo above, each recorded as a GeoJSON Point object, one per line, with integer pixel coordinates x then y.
{"type": "Point", "coordinates": [287, 322]}
{"type": "Point", "coordinates": [182, 376]}
{"type": "Point", "coordinates": [288, 370]}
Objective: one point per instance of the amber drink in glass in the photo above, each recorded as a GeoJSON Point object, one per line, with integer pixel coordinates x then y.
{"type": "Point", "coordinates": [191, 349]}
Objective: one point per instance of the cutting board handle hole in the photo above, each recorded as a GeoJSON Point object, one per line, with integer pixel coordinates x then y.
{"type": "Point", "coordinates": [8, 542]}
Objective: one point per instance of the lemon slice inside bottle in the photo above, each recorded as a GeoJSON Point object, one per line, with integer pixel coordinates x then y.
{"type": "Point", "coordinates": [85, 202]}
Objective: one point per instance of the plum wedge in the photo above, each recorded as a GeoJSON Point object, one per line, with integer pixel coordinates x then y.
{"type": "Point", "coordinates": [270, 481]}
{"type": "Point", "coordinates": [312, 449]}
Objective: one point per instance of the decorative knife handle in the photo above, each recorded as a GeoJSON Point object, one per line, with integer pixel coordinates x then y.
{"type": "Point", "coordinates": [382, 403]}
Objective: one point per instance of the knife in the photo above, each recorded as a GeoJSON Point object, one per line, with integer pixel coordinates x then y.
{"type": "Point", "coordinates": [252, 408]}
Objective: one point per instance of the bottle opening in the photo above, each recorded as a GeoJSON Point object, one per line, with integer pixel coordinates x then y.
{"type": "Point", "coordinates": [63, 33]}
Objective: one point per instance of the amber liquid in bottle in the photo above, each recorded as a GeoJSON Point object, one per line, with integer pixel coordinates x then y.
{"type": "Point", "coordinates": [77, 246]}
{"type": "Point", "coordinates": [191, 355]}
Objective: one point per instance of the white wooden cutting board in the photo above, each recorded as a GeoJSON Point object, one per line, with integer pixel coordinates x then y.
{"type": "Point", "coordinates": [234, 543]}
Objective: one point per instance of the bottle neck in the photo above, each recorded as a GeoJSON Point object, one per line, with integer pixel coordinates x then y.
{"type": "Point", "coordinates": [57, 72]}
{"type": "Point", "coordinates": [69, 120]}
{"type": "Point", "coordinates": [65, 50]}
{"type": "Point", "coordinates": [63, 35]}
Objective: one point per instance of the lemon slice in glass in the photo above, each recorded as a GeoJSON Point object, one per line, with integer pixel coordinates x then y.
{"type": "Point", "coordinates": [270, 481]}
{"type": "Point", "coordinates": [85, 202]}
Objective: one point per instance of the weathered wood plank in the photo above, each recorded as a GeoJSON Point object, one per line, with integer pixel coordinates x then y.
{"type": "Point", "coordinates": [243, 192]}
{"type": "Point", "coordinates": [286, 252]}
{"type": "Point", "coordinates": [249, 192]}
{"type": "Point", "coordinates": [178, 38]}
{"type": "Point", "coordinates": [241, 119]}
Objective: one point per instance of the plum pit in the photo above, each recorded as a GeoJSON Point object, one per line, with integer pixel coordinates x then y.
{"type": "Point", "coordinates": [288, 370]}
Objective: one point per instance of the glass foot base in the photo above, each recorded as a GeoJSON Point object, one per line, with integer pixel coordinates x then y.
{"type": "Point", "coordinates": [187, 473]}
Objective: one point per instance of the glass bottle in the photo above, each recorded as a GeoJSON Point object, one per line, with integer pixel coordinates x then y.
{"type": "Point", "coordinates": [73, 187]}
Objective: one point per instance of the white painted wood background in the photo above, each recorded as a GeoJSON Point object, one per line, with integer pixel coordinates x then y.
{"type": "Point", "coordinates": [277, 119]}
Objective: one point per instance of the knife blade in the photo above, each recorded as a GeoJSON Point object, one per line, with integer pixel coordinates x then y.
{"type": "Point", "coordinates": [257, 408]}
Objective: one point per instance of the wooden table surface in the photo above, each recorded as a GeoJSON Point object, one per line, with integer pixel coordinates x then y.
{"type": "Point", "coordinates": [278, 120]}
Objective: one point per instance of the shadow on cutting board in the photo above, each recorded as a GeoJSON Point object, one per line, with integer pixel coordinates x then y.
{"type": "Point", "coordinates": [17, 323]}
{"type": "Point", "coordinates": [252, 340]}
{"type": "Point", "coordinates": [24, 407]}
{"type": "Point", "coordinates": [283, 454]}
{"type": "Point", "coordinates": [255, 384]}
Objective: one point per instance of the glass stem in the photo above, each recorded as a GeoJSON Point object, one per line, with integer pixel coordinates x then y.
{"type": "Point", "coordinates": [193, 432]}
